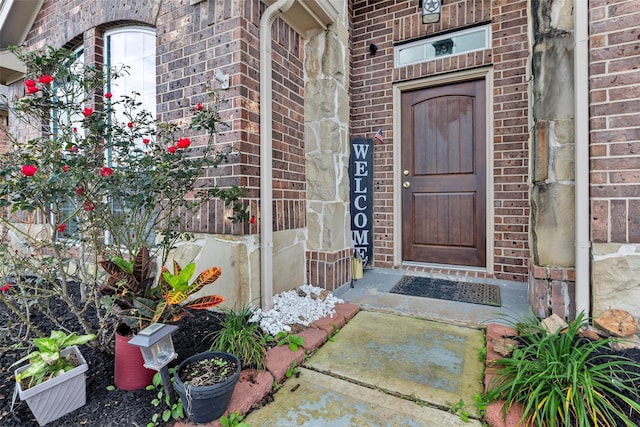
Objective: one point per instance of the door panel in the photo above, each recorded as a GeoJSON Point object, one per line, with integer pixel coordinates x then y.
{"type": "Point", "coordinates": [443, 164]}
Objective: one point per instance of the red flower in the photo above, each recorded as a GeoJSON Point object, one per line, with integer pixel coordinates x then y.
{"type": "Point", "coordinates": [172, 149]}
{"type": "Point", "coordinates": [130, 125]}
{"type": "Point", "coordinates": [183, 143]}
{"type": "Point", "coordinates": [66, 168]}
{"type": "Point", "coordinates": [73, 149]}
{"type": "Point", "coordinates": [5, 287]}
{"type": "Point", "coordinates": [29, 170]}
{"type": "Point", "coordinates": [252, 220]}
{"type": "Point", "coordinates": [199, 106]}
{"type": "Point", "coordinates": [87, 111]}
{"type": "Point", "coordinates": [108, 95]}
{"type": "Point", "coordinates": [29, 83]}
{"type": "Point", "coordinates": [146, 140]}
{"type": "Point", "coordinates": [88, 206]}
{"type": "Point", "coordinates": [45, 79]}
{"type": "Point", "coordinates": [106, 171]}
{"type": "Point", "coordinates": [75, 130]}
{"type": "Point", "coordinates": [32, 89]}
{"type": "Point", "coordinates": [62, 227]}
{"type": "Point", "coordinates": [80, 191]}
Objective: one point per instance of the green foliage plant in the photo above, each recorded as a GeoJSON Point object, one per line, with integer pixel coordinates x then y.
{"type": "Point", "coordinates": [562, 380]}
{"type": "Point", "coordinates": [47, 362]}
{"type": "Point", "coordinates": [168, 410]}
{"type": "Point", "coordinates": [82, 156]}
{"type": "Point", "coordinates": [291, 340]}
{"type": "Point", "coordinates": [137, 303]}
{"type": "Point", "coordinates": [459, 409]}
{"type": "Point", "coordinates": [241, 337]}
{"type": "Point", "coordinates": [234, 419]}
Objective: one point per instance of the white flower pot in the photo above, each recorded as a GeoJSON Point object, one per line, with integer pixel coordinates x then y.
{"type": "Point", "coordinates": [56, 397]}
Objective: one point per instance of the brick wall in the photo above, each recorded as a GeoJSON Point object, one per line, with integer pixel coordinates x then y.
{"type": "Point", "coordinates": [615, 127]}
{"type": "Point", "coordinates": [194, 40]}
{"type": "Point", "coordinates": [386, 23]}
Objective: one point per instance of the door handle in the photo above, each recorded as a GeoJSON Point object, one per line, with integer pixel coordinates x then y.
{"type": "Point", "coordinates": [405, 172]}
{"type": "Point", "coordinates": [406, 184]}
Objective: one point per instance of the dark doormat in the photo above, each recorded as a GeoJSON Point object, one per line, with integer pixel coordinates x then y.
{"type": "Point", "coordinates": [475, 293]}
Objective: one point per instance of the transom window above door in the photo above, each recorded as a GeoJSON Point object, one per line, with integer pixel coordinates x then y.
{"type": "Point", "coordinates": [465, 41]}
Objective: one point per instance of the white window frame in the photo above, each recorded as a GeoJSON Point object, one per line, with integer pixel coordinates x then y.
{"type": "Point", "coordinates": [431, 40]}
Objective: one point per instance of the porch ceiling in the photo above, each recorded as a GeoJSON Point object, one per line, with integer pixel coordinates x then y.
{"type": "Point", "coordinates": [305, 16]}
{"type": "Point", "coordinates": [16, 19]}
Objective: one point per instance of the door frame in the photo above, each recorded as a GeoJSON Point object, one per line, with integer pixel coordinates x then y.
{"type": "Point", "coordinates": [423, 83]}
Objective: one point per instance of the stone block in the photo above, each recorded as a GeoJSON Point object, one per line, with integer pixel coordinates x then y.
{"type": "Point", "coordinates": [330, 323]}
{"type": "Point", "coordinates": [615, 277]}
{"type": "Point", "coordinates": [252, 387]}
{"type": "Point", "coordinates": [279, 360]}
{"type": "Point", "coordinates": [553, 323]}
{"type": "Point", "coordinates": [553, 224]}
{"type": "Point", "coordinates": [619, 323]}
{"type": "Point", "coordinates": [313, 338]}
{"type": "Point", "coordinates": [494, 416]}
{"type": "Point", "coordinates": [347, 310]}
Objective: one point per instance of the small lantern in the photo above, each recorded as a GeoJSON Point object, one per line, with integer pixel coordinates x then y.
{"type": "Point", "coordinates": [431, 11]}
{"type": "Point", "coordinates": [156, 345]}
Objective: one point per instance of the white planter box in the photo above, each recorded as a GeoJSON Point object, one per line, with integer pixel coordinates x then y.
{"type": "Point", "coordinates": [54, 398]}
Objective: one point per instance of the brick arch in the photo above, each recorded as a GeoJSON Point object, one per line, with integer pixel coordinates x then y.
{"type": "Point", "coordinates": [60, 22]}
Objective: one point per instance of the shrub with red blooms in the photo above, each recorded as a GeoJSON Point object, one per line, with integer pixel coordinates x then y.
{"type": "Point", "coordinates": [101, 184]}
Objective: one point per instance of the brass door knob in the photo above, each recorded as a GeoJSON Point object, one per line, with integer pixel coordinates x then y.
{"type": "Point", "coordinates": [406, 172]}
{"type": "Point", "coordinates": [406, 184]}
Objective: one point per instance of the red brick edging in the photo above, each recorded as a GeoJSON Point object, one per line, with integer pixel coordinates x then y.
{"type": "Point", "coordinates": [254, 386]}
{"type": "Point", "coordinates": [494, 415]}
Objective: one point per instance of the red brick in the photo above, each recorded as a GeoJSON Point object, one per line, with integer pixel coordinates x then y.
{"type": "Point", "coordinates": [330, 323]}
{"type": "Point", "coordinates": [279, 360]}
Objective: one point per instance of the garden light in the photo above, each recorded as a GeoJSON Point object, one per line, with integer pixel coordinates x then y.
{"type": "Point", "coordinates": [156, 345]}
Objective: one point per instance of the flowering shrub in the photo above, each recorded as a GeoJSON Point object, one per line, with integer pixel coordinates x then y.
{"type": "Point", "coordinates": [123, 184]}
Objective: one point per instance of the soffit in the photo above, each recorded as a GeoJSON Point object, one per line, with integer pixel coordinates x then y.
{"type": "Point", "coordinates": [16, 19]}
{"type": "Point", "coordinates": [308, 15]}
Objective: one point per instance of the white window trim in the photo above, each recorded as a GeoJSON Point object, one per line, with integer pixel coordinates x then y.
{"type": "Point", "coordinates": [432, 40]}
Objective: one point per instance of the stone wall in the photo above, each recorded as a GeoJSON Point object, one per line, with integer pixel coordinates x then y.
{"type": "Point", "coordinates": [614, 82]}
{"type": "Point", "coordinates": [551, 279]}
{"type": "Point", "coordinates": [327, 155]}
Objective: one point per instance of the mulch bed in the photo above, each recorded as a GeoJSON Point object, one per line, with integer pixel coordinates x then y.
{"type": "Point", "coordinates": [104, 407]}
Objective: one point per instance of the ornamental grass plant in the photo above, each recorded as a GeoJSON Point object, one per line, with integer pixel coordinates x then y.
{"type": "Point", "coordinates": [241, 337]}
{"type": "Point", "coordinates": [562, 379]}
{"type": "Point", "coordinates": [90, 175]}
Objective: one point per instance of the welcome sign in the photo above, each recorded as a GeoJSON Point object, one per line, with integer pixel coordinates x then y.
{"type": "Point", "coordinates": [361, 175]}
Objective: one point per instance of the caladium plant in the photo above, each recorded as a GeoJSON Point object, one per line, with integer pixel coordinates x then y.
{"type": "Point", "coordinates": [47, 362]}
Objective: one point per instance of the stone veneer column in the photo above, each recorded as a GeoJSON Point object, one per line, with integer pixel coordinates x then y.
{"type": "Point", "coordinates": [551, 272]}
{"type": "Point", "coordinates": [327, 155]}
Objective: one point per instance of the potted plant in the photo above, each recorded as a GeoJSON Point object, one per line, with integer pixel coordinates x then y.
{"type": "Point", "coordinates": [205, 383]}
{"type": "Point", "coordinates": [137, 303]}
{"type": "Point", "coordinates": [53, 383]}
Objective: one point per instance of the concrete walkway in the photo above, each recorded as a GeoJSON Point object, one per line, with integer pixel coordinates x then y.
{"type": "Point", "coordinates": [390, 365]}
{"type": "Point", "coordinates": [383, 370]}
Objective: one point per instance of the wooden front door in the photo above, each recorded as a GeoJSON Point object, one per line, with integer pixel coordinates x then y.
{"type": "Point", "coordinates": [444, 174]}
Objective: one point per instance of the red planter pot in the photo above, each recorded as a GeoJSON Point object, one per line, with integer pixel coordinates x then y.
{"type": "Point", "coordinates": [130, 374]}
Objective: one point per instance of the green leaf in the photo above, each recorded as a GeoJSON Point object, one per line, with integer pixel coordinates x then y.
{"type": "Point", "coordinates": [78, 340]}
{"type": "Point", "coordinates": [111, 388]}
{"type": "Point", "coordinates": [46, 344]}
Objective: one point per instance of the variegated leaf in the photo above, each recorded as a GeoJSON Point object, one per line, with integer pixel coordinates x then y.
{"type": "Point", "coordinates": [205, 302]}
{"type": "Point", "coordinates": [159, 310]}
{"type": "Point", "coordinates": [208, 276]}
{"type": "Point", "coordinates": [175, 297]}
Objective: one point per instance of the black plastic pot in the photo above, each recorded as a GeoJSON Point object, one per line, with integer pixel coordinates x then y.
{"type": "Point", "coordinates": [206, 403]}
